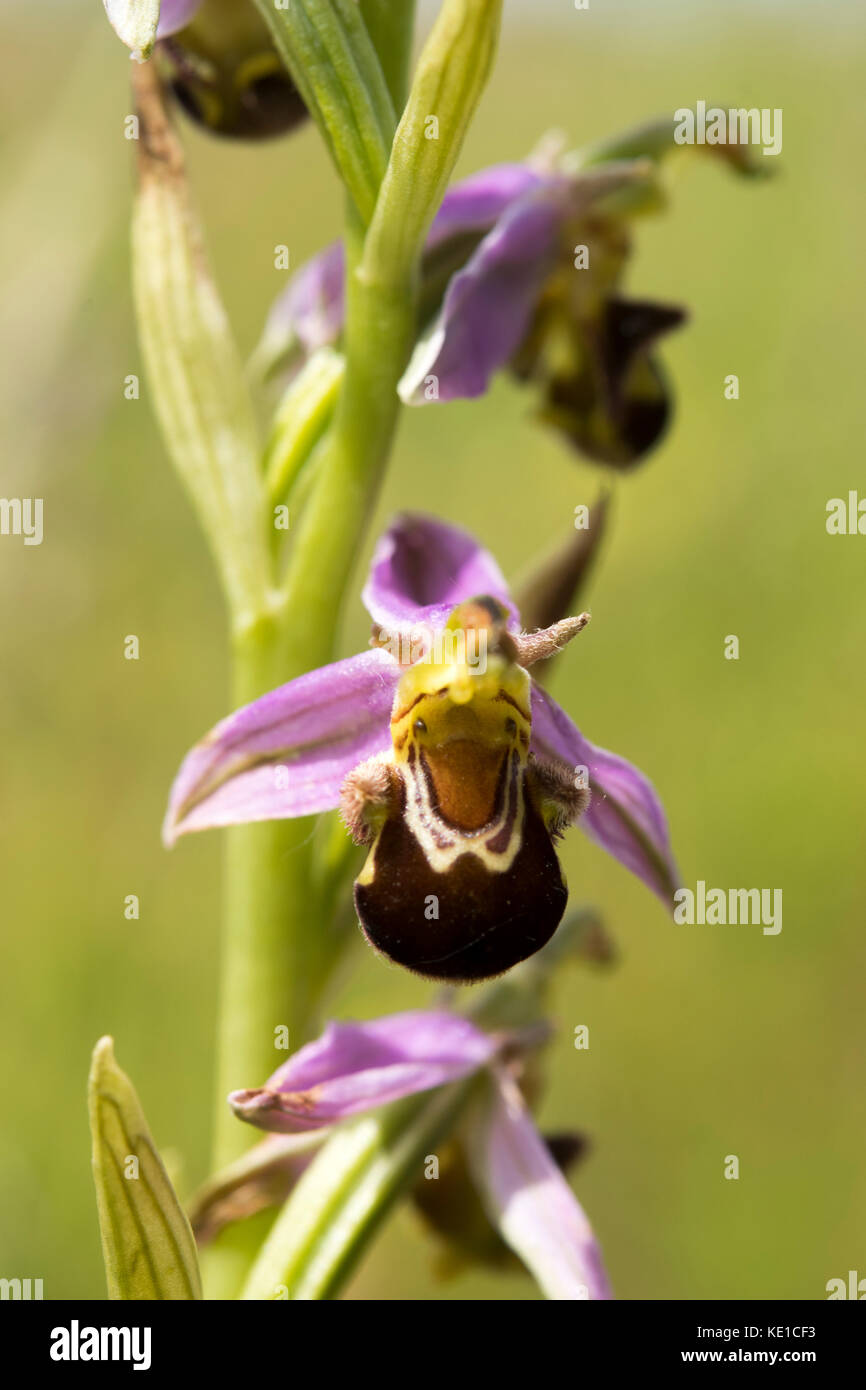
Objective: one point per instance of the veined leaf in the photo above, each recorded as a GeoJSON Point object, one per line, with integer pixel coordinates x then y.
{"type": "Point", "coordinates": [194, 371]}
{"type": "Point", "coordinates": [333, 64]}
{"type": "Point", "coordinates": [147, 1242]}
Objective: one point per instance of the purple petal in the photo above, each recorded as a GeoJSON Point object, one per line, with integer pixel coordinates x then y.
{"type": "Point", "coordinates": [625, 815]}
{"type": "Point", "coordinates": [354, 1067]}
{"type": "Point", "coordinates": [287, 753]}
{"type": "Point", "coordinates": [310, 309]}
{"type": "Point", "coordinates": [529, 1201]}
{"type": "Point", "coordinates": [421, 568]}
{"type": "Point", "coordinates": [489, 304]}
{"type": "Point", "coordinates": [480, 200]}
{"type": "Point", "coordinates": [174, 15]}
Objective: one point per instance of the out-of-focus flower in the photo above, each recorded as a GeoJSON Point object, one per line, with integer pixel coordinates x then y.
{"type": "Point", "coordinates": [523, 270]}
{"type": "Point", "coordinates": [309, 313]}
{"type": "Point", "coordinates": [218, 58]}
{"type": "Point", "coordinates": [445, 758]}
{"type": "Point", "coordinates": [357, 1067]}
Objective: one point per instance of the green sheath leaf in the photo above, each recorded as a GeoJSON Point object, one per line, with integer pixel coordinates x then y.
{"type": "Point", "coordinates": [194, 371]}
{"type": "Point", "coordinates": [446, 88]}
{"type": "Point", "coordinates": [333, 64]}
{"type": "Point", "coordinates": [147, 1242]}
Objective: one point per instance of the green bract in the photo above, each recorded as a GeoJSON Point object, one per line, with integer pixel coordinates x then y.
{"type": "Point", "coordinates": [147, 1243]}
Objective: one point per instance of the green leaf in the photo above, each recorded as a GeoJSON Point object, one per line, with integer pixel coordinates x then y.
{"type": "Point", "coordinates": [332, 61]}
{"type": "Point", "coordinates": [147, 1243]}
{"type": "Point", "coordinates": [347, 1191]}
{"type": "Point", "coordinates": [135, 22]}
{"type": "Point", "coordinates": [446, 88]}
{"type": "Point", "coordinates": [194, 371]}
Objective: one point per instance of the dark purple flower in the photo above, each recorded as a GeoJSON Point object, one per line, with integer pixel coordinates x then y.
{"type": "Point", "coordinates": [444, 757]}
{"type": "Point", "coordinates": [357, 1067]}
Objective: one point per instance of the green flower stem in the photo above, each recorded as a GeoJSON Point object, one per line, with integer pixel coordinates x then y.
{"type": "Point", "coordinates": [269, 935]}
{"type": "Point", "coordinates": [380, 324]}
{"type": "Point", "coordinates": [346, 1193]}
{"type": "Point", "coordinates": [267, 890]}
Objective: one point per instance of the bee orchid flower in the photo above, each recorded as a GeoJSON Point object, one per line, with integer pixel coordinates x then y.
{"type": "Point", "coordinates": [354, 1068]}
{"type": "Point", "coordinates": [454, 768]}
{"type": "Point", "coordinates": [521, 271]}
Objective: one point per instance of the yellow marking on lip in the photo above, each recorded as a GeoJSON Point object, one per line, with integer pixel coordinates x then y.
{"type": "Point", "coordinates": [451, 738]}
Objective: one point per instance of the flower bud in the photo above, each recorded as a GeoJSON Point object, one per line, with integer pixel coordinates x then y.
{"type": "Point", "coordinates": [228, 76]}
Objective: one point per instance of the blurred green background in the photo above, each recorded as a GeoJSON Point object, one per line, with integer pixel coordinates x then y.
{"type": "Point", "coordinates": [705, 1041]}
